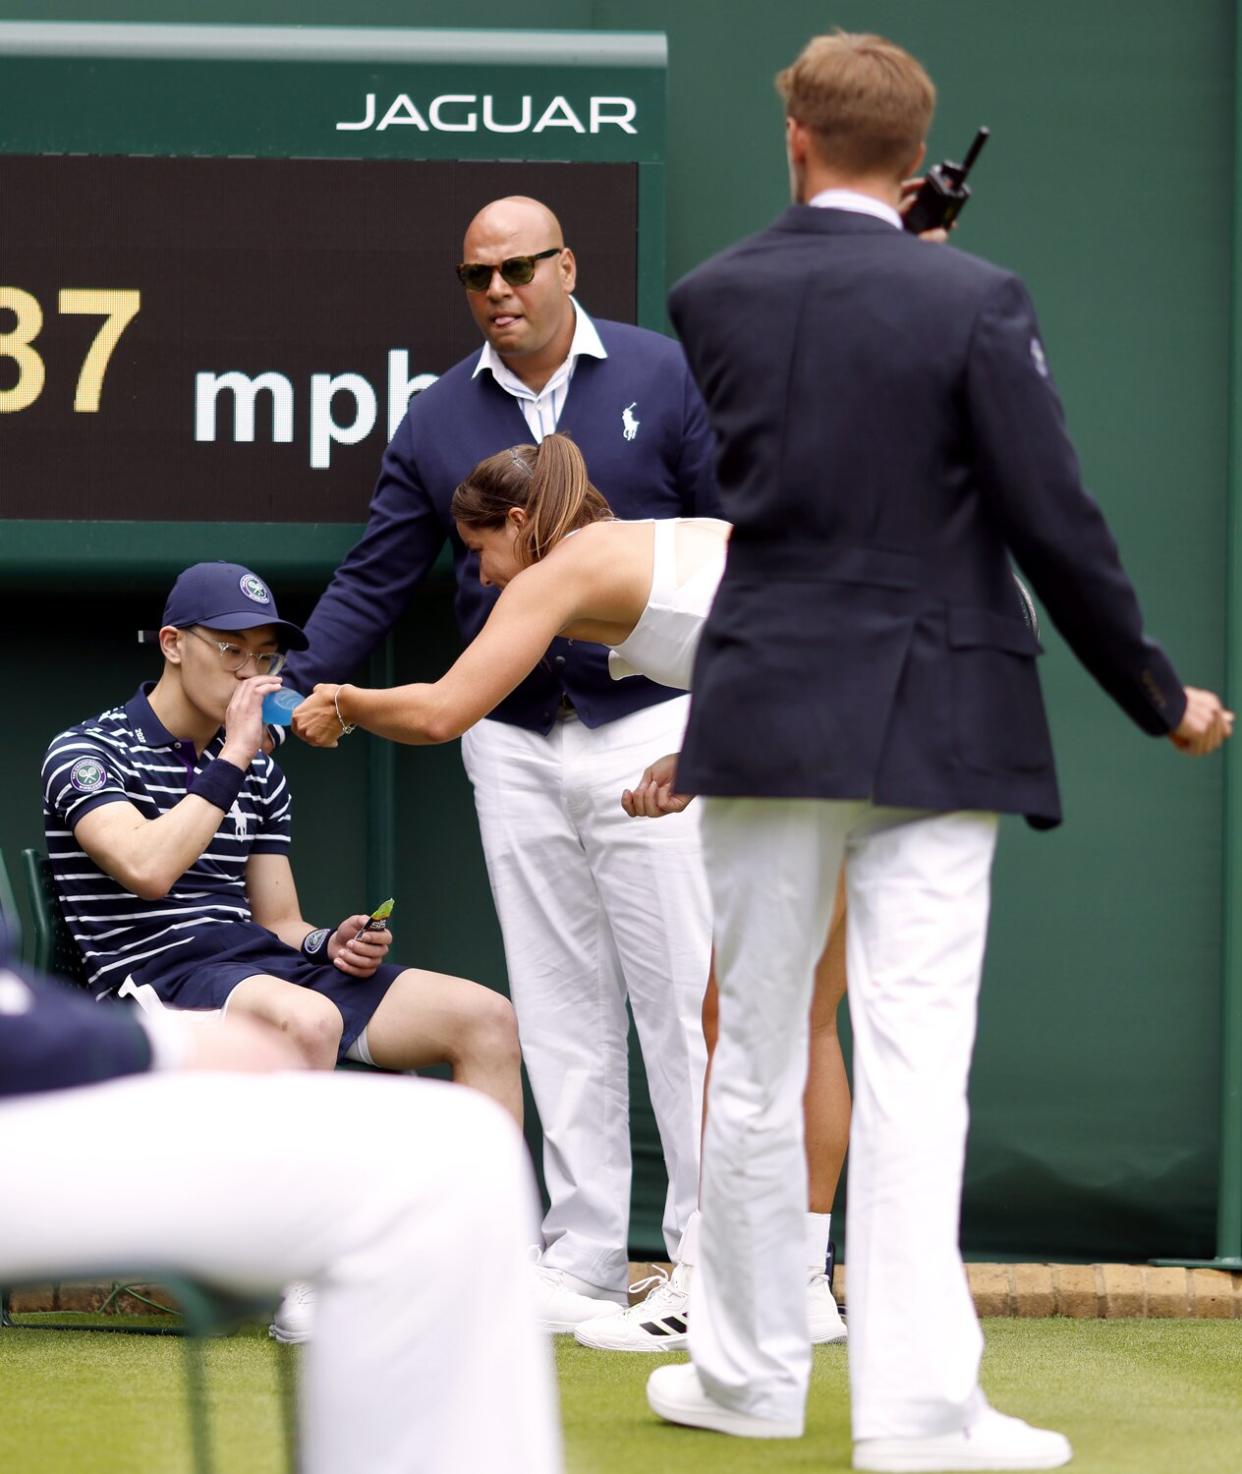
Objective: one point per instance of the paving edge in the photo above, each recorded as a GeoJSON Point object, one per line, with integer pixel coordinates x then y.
{"type": "Point", "coordinates": [1087, 1291]}
{"type": "Point", "coordinates": [1077, 1291]}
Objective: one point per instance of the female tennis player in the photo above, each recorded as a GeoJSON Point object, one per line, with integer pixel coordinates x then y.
{"type": "Point", "coordinates": [547, 538]}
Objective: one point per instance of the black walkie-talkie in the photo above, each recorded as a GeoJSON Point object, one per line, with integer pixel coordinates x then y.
{"type": "Point", "coordinates": [943, 193]}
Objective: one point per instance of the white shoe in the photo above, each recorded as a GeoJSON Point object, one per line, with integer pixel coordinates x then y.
{"type": "Point", "coordinates": [677, 1395]}
{"type": "Point", "coordinates": [656, 1323]}
{"type": "Point", "coordinates": [659, 1322]}
{"type": "Point", "coordinates": [563, 1301]}
{"type": "Point", "coordinates": [992, 1441]}
{"type": "Point", "coordinates": [823, 1318]}
{"type": "Point", "coordinates": [295, 1316]}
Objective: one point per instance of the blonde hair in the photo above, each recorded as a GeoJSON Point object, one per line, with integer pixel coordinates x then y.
{"type": "Point", "coordinates": [549, 482]}
{"type": "Point", "coordinates": [867, 103]}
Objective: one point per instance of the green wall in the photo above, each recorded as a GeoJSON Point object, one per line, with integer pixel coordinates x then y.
{"type": "Point", "coordinates": [1106, 185]}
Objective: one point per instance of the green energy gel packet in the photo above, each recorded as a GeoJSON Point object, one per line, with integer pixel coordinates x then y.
{"type": "Point", "coordinates": [379, 918]}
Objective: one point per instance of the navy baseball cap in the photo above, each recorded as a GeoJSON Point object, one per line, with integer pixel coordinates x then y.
{"type": "Point", "coordinates": [226, 596]}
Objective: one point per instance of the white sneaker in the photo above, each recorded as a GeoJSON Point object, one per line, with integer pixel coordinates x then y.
{"type": "Point", "coordinates": [822, 1315]}
{"type": "Point", "coordinates": [660, 1322]}
{"type": "Point", "coordinates": [295, 1316]}
{"type": "Point", "coordinates": [563, 1301]}
{"type": "Point", "coordinates": [656, 1323]}
{"type": "Point", "coordinates": [677, 1395]}
{"type": "Point", "coordinates": [992, 1441]}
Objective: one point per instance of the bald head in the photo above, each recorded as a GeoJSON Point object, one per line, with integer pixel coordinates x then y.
{"type": "Point", "coordinates": [529, 323]}
{"type": "Point", "coordinates": [516, 214]}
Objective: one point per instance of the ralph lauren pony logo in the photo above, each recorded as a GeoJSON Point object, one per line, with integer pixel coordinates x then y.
{"type": "Point", "coordinates": [629, 425]}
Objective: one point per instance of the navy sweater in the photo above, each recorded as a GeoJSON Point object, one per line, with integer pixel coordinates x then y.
{"type": "Point", "coordinates": [666, 470]}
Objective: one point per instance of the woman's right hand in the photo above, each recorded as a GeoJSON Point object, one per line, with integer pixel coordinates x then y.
{"type": "Point", "coordinates": [315, 720]}
{"type": "Point", "coordinates": [653, 795]}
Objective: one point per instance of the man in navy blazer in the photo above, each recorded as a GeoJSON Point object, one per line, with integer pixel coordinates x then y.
{"type": "Point", "coordinates": [594, 908]}
{"type": "Point", "coordinates": [866, 691]}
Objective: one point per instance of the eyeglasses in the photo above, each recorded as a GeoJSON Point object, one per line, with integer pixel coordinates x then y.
{"type": "Point", "coordinates": [236, 657]}
{"type": "Point", "coordinates": [476, 276]}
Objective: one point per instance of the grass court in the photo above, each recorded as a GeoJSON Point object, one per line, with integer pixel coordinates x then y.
{"type": "Point", "coordinates": [1134, 1397]}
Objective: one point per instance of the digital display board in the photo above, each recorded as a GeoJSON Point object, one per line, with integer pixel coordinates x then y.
{"type": "Point", "coordinates": [236, 339]}
{"type": "Point", "coordinates": [226, 260]}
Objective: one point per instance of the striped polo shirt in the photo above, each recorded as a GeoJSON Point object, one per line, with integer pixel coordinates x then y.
{"type": "Point", "coordinates": [128, 753]}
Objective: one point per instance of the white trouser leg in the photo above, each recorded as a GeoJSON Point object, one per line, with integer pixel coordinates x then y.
{"type": "Point", "coordinates": [772, 865]}
{"type": "Point", "coordinates": [918, 910]}
{"type": "Point", "coordinates": [407, 1204]}
{"type": "Point", "coordinates": [567, 991]}
{"type": "Point", "coordinates": [652, 880]}
{"type": "Point", "coordinates": [592, 905]}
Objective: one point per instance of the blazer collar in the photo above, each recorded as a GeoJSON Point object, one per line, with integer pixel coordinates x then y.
{"type": "Point", "coordinates": [813, 220]}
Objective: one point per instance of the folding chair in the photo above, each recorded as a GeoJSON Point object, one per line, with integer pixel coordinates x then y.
{"type": "Point", "coordinates": [8, 911]}
{"type": "Point", "coordinates": [53, 948]}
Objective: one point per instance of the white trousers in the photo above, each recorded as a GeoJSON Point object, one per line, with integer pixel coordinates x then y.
{"type": "Point", "coordinates": [596, 907]}
{"type": "Point", "coordinates": [408, 1204]}
{"type": "Point", "coordinates": [918, 887]}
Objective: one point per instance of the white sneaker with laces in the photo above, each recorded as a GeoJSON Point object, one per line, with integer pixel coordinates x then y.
{"type": "Point", "coordinates": [823, 1317]}
{"type": "Point", "coordinates": [655, 1323]}
{"type": "Point", "coordinates": [660, 1321]}
{"type": "Point", "coordinates": [295, 1316]}
{"type": "Point", "coordinates": [563, 1301]}
{"type": "Point", "coordinates": [991, 1441]}
{"type": "Point", "coordinates": [677, 1395]}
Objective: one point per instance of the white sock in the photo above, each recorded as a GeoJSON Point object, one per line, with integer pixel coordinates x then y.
{"type": "Point", "coordinates": [360, 1049]}
{"type": "Point", "coordinates": [818, 1227]}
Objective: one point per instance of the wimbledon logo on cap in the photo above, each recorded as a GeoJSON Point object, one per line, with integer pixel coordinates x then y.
{"type": "Point", "coordinates": [88, 775]}
{"type": "Point", "coordinates": [254, 588]}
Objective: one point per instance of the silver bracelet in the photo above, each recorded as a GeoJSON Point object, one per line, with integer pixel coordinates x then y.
{"type": "Point", "coordinates": [346, 727]}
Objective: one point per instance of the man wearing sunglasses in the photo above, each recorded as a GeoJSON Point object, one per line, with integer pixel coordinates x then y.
{"type": "Point", "coordinates": [168, 832]}
{"type": "Point", "coordinates": [595, 909]}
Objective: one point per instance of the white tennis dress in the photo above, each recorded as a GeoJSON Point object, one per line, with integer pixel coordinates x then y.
{"type": "Point", "coordinates": [663, 643]}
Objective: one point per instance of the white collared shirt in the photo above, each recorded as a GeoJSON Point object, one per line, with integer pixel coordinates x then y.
{"type": "Point", "coordinates": [861, 204]}
{"type": "Point", "coordinates": [542, 411]}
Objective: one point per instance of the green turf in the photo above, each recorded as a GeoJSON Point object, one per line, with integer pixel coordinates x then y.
{"type": "Point", "coordinates": [1135, 1397]}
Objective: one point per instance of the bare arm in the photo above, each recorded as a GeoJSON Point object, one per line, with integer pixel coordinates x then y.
{"type": "Point", "coordinates": [274, 904]}
{"type": "Point", "coordinates": [273, 898]}
{"type": "Point", "coordinates": [528, 616]}
{"type": "Point", "coordinates": [149, 856]}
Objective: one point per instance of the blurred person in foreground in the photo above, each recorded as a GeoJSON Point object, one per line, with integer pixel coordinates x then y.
{"type": "Point", "coordinates": [381, 1193]}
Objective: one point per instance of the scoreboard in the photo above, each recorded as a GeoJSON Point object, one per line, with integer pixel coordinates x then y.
{"type": "Point", "coordinates": [226, 262]}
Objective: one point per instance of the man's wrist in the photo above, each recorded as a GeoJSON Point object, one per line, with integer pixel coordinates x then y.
{"type": "Point", "coordinates": [315, 944]}
{"type": "Point", "coordinates": [219, 782]}
{"type": "Point", "coordinates": [235, 753]}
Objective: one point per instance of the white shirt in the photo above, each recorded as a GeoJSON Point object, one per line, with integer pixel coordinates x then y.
{"type": "Point", "coordinates": [861, 204]}
{"type": "Point", "coordinates": [542, 411]}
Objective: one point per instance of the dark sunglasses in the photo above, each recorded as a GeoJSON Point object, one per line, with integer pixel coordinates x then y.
{"type": "Point", "coordinates": [476, 276]}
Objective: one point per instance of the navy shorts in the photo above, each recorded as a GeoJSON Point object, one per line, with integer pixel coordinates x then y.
{"type": "Point", "coordinates": [203, 972]}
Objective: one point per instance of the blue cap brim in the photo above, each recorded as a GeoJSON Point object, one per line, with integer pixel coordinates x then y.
{"type": "Point", "coordinates": [292, 637]}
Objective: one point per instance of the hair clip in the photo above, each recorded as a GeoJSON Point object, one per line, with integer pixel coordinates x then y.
{"type": "Point", "coordinates": [518, 461]}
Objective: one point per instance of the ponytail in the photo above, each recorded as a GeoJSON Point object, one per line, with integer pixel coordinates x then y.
{"type": "Point", "coordinates": [548, 482]}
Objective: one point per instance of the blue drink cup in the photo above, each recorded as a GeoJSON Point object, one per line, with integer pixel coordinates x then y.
{"type": "Point", "coordinates": [279, 706]}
